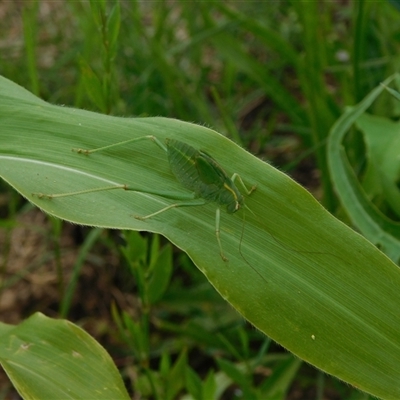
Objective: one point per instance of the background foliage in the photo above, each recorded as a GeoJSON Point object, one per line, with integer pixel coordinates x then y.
{"type": "Point", "coordinates": [273, 76]}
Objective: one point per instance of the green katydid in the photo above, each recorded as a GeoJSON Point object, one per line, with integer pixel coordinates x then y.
{"type": "Point", "coordinates": [197, 171]}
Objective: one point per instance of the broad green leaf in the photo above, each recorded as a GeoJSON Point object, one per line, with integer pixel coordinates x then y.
{"type": "Point", "coordinates": [55, 359]}
{"type": "Point", "coordinates": [302, 277]}
{"type": "Point", "coordinates": [382, 138]}
{"type": "Point", "coordinates": [375, 226]}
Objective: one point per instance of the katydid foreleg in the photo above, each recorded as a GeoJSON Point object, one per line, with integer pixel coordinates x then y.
{"type": "Point", "coordinates": [101, 189]}
{"type": "Point", "coordinates": [148, 137]}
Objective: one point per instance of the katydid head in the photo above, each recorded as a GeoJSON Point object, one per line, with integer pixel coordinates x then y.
{"type": "Point", "coordinates": [232, 197]}
{"type": "Point", "coordinates": [235, 203]}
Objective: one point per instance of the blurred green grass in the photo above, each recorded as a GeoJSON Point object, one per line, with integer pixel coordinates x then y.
{"type": "Point", "coordinates": [273, 76]}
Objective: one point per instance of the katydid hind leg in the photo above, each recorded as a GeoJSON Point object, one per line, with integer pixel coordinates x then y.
{"type": "Point", "coordinates": [67, 194]}
{"type": "Point", "coordinates": [217, 233]}
{"type": "Point", "coordinates": [193, 203]}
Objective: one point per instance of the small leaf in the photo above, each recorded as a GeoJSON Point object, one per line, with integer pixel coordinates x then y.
{"type": "Point", "coordinates": [237, 377]}
{"type": "Point", "coordinates": [93, 85]}
{"type": "Point", "coordinates": [209, 386]}
{"type": "Point", "coordinates": [98, 8]}
{"type": "Point", "coordinates": [165, 364]}
{"type": "Point", "coordinates": [278, 384]}
{"type": "Point", "coordinates": [113, 26]}
{"type": "Point", "coordinates": [55, 359]}
{"type": "Point", "coordinates": [193, 383]}
{"type": "Point", "coordinates": [161, 275]}
{"type": "Point", "coordinates": [176, 381]}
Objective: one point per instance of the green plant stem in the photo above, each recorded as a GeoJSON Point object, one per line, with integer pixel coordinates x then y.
{"type": "Point", "coordinates": [70, 290]}
{"type": "Point", "coordinates": [358, 46]}
{"type": "Point", "coordinates": [29, 15]}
